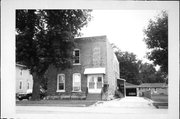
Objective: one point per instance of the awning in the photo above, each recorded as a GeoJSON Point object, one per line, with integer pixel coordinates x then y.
{"type": "Point", "coordinates": [121, 79]}
{"type": "Point", "coordinates": [94, 71]}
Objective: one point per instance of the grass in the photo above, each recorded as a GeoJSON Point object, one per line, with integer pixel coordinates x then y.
{"type": "Point", "coordinates": [62, 103]}
{"type": "Point", "coordinates": [160, 101]}
{"type": "Point", "coordinates": [159, 98]}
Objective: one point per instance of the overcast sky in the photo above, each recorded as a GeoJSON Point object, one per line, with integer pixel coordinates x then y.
{"type": "Point", "coordinates": [122, 27]}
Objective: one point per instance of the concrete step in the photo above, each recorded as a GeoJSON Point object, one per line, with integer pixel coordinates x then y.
{"type": "Point", "coordinates": [93, 96]}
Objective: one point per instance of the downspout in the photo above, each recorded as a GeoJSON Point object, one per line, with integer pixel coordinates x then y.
{"type": "Point", "coordinates": [124, 89]}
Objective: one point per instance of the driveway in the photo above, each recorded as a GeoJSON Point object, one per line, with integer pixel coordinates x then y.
{"type": "Point", "coordinates": [127, 102]}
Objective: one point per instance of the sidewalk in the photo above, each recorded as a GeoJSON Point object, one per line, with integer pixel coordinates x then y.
{"type": "Point", "coordinates": [126, 108]}
{"type": "Point", "coordinates": [44, 112]}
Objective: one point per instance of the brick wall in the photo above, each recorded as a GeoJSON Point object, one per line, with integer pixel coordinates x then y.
{"type": "Point", "coordinates": [112, 69]}
{"type": "Point", "coordinates": [92, 55]}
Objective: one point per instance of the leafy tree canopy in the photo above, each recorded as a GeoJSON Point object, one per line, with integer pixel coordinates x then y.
{"type": "Point", "coordinates": [128, 65]}
{"type": "Point", "coordinates": [45, 37]}
{"type": "Point", "coordinates": [148, 74]}
{"type": "Point", "coordinates": [156, 38]}
{"type": "Point", "coordinates": [136, 72]}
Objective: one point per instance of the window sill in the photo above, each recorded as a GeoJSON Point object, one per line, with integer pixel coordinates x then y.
{"type": "Point", "coordinates": [60, 90]}
{"type": "Point", "coordinates": [77, 64]}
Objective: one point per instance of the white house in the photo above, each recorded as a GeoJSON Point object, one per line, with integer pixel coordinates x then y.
{"type": "Point", "coordinates": [24, 80]}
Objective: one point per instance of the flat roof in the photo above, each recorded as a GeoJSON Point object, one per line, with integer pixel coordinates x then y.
{"type": "Point", "coordinates": [130, 85]}
{"type": "Point", "coordinates": [153, 85]}
{"type": "Point", "coordinates": [101, 36]}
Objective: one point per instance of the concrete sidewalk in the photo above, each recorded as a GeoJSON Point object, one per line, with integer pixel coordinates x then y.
{"type": "Point", "coordinates": [42, 112]}
{"type": "Point", "coordinates": [126, 108]}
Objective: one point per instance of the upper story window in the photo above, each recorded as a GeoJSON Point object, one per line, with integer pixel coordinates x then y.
{"type": "Point", "coordinates": [96, 56]}
{"type": "Point", "coordinates": [76, 54]}
{"type": "Point", "coordinates": [20, 85]}
{"type": "Point", "coordinates": [60, 83]}
{"type": "Point", "coordinates": [27, 85]}
{"type": "Point", "coordinates": [20, 71]}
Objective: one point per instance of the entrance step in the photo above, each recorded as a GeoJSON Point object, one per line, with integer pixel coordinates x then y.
{"type": "Point", "coordinates": [93, 96]}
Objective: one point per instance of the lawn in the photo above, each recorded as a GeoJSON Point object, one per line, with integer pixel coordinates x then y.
{"type": "Point", "coordinates": [160, 101]}
{"type": "Point", "coordinates": [63, 103]}
{"type": "Point", "coordinates": [159, 98]}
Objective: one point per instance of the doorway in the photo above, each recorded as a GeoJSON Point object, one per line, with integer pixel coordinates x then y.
{"type": "Point", "coordinates": [94, 83]}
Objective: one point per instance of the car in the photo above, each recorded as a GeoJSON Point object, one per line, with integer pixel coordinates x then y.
{"type": "Point", "coordinates": [28, 94]}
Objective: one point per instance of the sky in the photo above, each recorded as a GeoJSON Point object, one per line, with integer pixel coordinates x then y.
{"type": "Point", "coordinates": [124, 28]}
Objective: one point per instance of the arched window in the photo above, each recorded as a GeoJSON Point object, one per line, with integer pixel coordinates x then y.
{"type": "Point", "coordinates": [76, 82]}
{"type": "Point", "coordinates": [27, 85]}
{"type": "Point", "coordinates": [20, 85]}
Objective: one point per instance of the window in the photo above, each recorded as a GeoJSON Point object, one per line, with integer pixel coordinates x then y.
{"type": "Point", "coordinates": [77, 82]}
{"type": "Point", "coordinates": [28, 85]}
{"type": "Point", "coordinates": [96, 56]}
{"type": "Point", "coordinates": [21, 72]}
{"type": "Point", "coordinates": [76, 54]}
{"type": "Point", "coordinates": [91, 83]}
{"type": "Point", "coordinates": [20, 85]}
{"type": "Point", "coordinates": [99, 82]}
{"type": "Point", "coordinates": [61, 83]}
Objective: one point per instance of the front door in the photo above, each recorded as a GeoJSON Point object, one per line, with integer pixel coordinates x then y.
{"type": "Point", "coordinates": [95, 83]}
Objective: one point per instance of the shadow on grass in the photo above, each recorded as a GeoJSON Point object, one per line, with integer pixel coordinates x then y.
{"type": "Point", "coordinates": [160, 101]}
{"type": "Point", "coordinates": [61, 103]}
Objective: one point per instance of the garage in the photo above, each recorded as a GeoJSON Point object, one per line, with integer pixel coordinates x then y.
{"type": "Point", "coordinates": [131, 92]}
{"type": "Point", "coordinates": [131, 89]}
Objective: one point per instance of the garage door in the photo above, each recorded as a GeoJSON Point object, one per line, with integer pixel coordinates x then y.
{"type": "Point", "coordinates": [131, 92]}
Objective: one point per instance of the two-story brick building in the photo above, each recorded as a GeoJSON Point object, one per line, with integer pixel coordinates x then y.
{"type": "Point", "coordinates": [95, 66]}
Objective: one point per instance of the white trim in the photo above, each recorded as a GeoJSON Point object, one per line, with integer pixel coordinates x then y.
{"type": "Point", "coordinates": [60, 90]}
{"type": "Point", "coordinates": [58, 83]}
{"type": "Point", "coordinates": [20, 65]}
{"type": "Point", "coordinates": [77, 64]}
{"type": "Point", "coordinates": [95, 71]}
{"type": "Point", "coordinates": [73, 82]}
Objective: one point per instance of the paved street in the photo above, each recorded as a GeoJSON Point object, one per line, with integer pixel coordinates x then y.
{"type": "Point", "coordinates": [142, 109]}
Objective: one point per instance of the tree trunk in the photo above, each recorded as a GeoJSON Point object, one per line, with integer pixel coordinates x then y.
{"type": "Point", "coordinates": [36, 87]}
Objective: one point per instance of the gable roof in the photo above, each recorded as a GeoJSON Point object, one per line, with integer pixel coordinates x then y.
{"type": "Point", "coordinates": [153, 85]}
{"type": "Point", "coordinates": [146, 85]}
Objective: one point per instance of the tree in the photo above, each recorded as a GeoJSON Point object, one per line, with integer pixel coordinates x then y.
{"type": "Point", "coordinates": [156, 38]}
{"type": "Point", "coordinates": [136, 72]}
{"type": "Point", "coordinates": [128, 65]}
{"type": "Point", "coordinates": [147, 73]}
{"type": "Point", "coordinates": [45, 37]}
